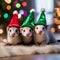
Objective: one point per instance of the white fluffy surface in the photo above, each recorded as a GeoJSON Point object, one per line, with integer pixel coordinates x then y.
{"type": "Point", "coordinates": [7, 51]}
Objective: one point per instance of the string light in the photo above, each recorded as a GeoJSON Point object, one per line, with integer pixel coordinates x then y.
{"type": "Point", "coordinates": [8, 1]}
{"type": "Point", "coordinates": [8, 7]}
{"type": "Point", "coordinates": [21, 11]}
{"type": "Point", "coordinates": [1, 31]}
{"type": "Point", "coordinates": [6, 15]}
{"type": "Point", "coordinates": [19, 16]}
{"type": "Point", "coordinates": [53, 29]}
{"type": "Point", "coordinates": [24, 4]}
{"type": "Point", "coordinates": [18, 5]}
{"type": "Point", "coordinates": [58, 26]}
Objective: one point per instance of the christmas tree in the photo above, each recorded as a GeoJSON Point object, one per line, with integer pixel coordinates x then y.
{"type": "Point", "coordinates": [7, 7]}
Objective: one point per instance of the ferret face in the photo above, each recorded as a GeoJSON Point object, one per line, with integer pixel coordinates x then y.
{"type": "Point", "coordinates": [40, 29]}
{"type": "Point", "coordinates": [13, 31]}
{"type": "Point", "coordinates": [26, 31]}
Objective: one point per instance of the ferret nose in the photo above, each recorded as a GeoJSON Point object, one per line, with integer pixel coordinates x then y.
{"type": "Point", "coordinates": [13, 34]}
{"type": "Point", "coordinates": [40, 32]}
{"type": "Point", "coordinates": [28, 34]}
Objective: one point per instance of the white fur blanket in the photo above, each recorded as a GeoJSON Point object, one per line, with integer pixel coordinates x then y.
{"type": "Point", "coordinates": [7, 51]}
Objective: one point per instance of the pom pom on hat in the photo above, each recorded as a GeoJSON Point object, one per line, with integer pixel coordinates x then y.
{"type": "Point", "coordinates": [32, 10]}
{"type": "Point", "coordinates": [42, 9]}
{"type": "Point", "coordinates": [15, 12]}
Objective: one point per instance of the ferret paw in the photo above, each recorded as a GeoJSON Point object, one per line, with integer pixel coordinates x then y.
{"type": "Point", "coordinates": [5, 40]}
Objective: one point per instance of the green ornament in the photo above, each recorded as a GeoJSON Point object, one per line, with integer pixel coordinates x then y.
{"type": "Point", "coordinates": [42, 19]}
{"type": "Point", "coordinates": [29, 21]}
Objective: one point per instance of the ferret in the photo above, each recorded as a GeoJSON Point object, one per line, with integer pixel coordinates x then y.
{"type": "Point", "coordinates": [43, 36]}
{"type": "Point", "coordinates": [26, 35]}
{"type": "Point", "coordinates": [13, 36]}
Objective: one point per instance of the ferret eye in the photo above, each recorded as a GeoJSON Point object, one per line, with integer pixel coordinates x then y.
{"type": "Point", "coordinates": [30, 30]}
{"type": "Point", "coordinates": [36, 27]}
{"type": "Point", "coordinates": [16, 30]}
{"type": "Point", "coordinates": [43, 28]}
{"type": "Point", "coordinates": [23, 30]}
{"type": "Point", "coordinates": [10, 30]}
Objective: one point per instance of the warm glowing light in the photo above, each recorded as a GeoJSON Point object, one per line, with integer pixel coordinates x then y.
{"type": "Point", "coordinates": [6, 15]}
{"type": "Point", "coordinates": [8, 7]}
{"type": "Point", "coordinates": [1, 31]}
{"type": "Point", "coordinates": [53, 29]}
{"type": "Point", "coordinates": [8, 1]}
{"type": "Point", "coordinates": [0, 15]}
{"type": "Point", "coordinates": [18, 5]}
{"type": "Point", "coordinates": [58, 26]}
{"type": "Point", "coordinates": [19, 16]}
{"type": "Point", "coordinates": [24, 3]}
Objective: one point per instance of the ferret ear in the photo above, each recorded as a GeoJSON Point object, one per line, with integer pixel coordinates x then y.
{"type": "Point", "coordinates": [7, 28]}
{"type": "Point", "coordinates": [21, 30]}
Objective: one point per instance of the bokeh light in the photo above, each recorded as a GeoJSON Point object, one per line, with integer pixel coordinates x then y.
{"type": "Point", "coordinates": [58, 26]}
{"type": "Point", "coordinates": [25, 14]}
{"type": "Point", "coordinates": [0, 15]}
{"type": "Point", "coordinates": [8, 1]}
{"type": "Point", "coordinates": [53, 29]}
{"type": "Point", "coordinates": [1, 31]}
{"type": "Point", "coordinates": [6, 15]}
{"type": "Point", "coordinates": [18, 5]}
{"type": "Point", "coordinates": [24, 3]}
{"type": "Point", "coordinates": [19, 16]}
{"type": "Point", "coordinates": [21, 11]}
{"type": "Point", "coordinates": [8, 7]}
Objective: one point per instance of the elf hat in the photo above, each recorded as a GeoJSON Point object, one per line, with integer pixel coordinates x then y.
{"type": "Point", "coordinates": [14, 21]}
{"type": "Point", "coordinates": [42, 18]}
{"type": "Point", "coordinates": [29, 21]}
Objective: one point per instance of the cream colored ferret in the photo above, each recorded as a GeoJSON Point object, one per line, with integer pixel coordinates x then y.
{"type": "Point", "coordinates": [27, 35]}
{"type": "Point", "coordinates": [13, 36]}
{"type": "Point", "coordinates": [43, 36]}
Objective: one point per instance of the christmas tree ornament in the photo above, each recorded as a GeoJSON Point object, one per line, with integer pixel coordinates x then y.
{"type": "Point", "coordinates": [13, 34]}
{"type": "Point", "coordinates": [41, 36]}
{"type": "Point", "coordinates": [26, 28]}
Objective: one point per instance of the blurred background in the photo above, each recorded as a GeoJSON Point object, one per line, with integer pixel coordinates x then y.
{"type": "Point", "coordinates": [52, 11]}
